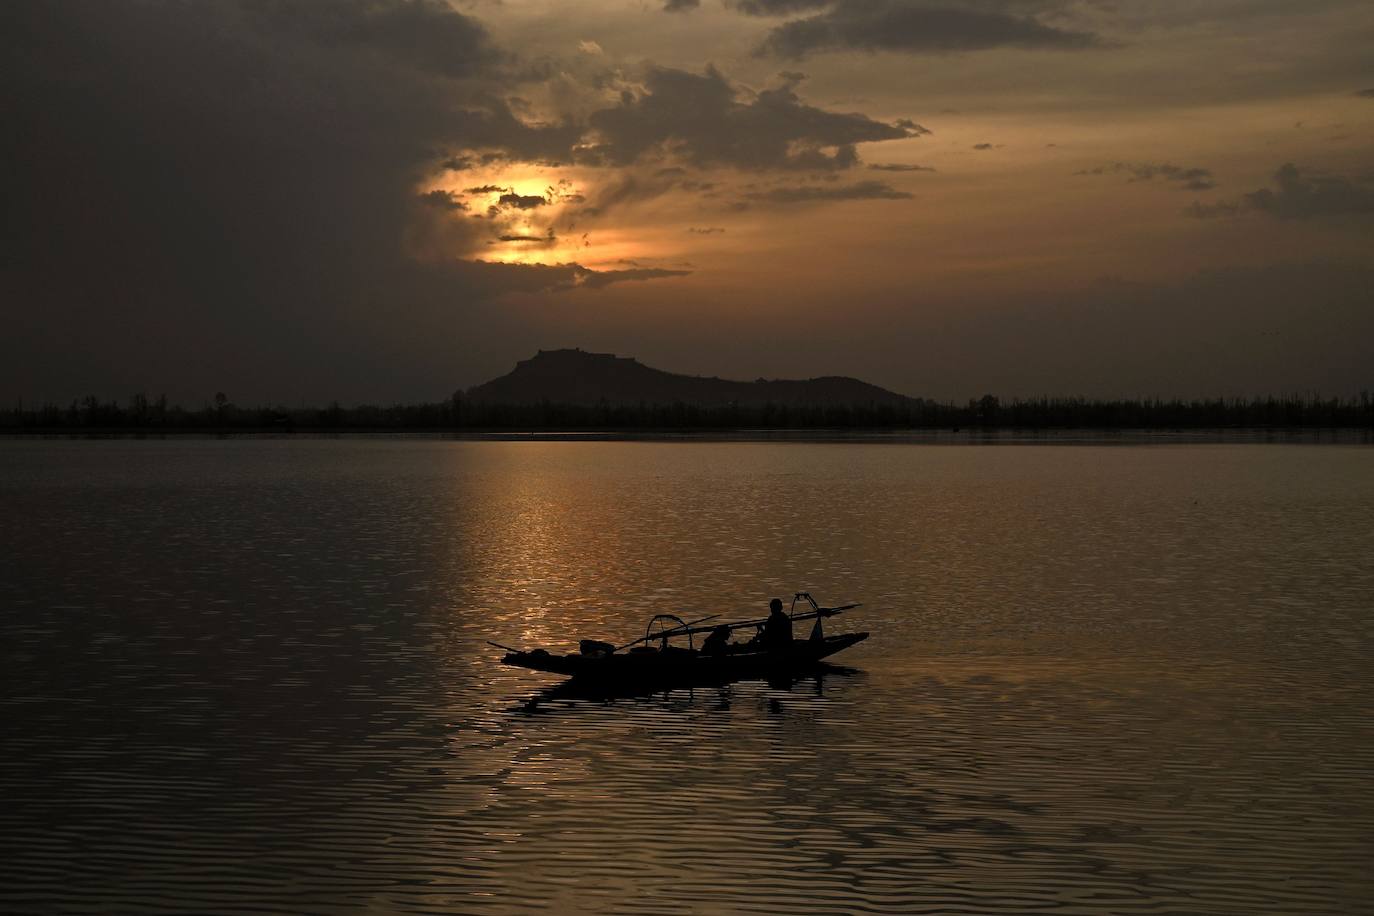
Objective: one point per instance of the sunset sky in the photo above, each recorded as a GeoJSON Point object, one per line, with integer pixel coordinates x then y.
{"type": "Point", "coordinates": [298, 200]}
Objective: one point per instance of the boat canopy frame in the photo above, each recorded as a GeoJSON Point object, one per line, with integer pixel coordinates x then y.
{"type": "Point", "coordinates": [688, 629]}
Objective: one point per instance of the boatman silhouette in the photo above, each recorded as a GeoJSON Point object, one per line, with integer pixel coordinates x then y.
{"type": "Point", "coordinates": [777, 629]}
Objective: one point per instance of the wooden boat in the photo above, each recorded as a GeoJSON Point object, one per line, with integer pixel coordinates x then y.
{"type": "Point", "coordinates": [653, 658]}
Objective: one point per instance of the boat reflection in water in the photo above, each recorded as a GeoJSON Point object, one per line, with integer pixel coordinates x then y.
{"type": "Point", "coordinates": [812, 678]}
{"type": "Point", "coordinates": [653, 663]}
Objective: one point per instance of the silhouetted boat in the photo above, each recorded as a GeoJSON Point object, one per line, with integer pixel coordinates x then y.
{"type": "Point", "coordinates": [640, 662]}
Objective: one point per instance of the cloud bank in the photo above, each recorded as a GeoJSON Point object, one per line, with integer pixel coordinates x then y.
{"type": "Point", "coordinates": [702, 120]}
{"type": "Point", "coordinates": [1296, 196]}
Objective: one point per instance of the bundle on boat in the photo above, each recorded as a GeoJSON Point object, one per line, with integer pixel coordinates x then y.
{"type": "Point", "coordinates": [660, 655]}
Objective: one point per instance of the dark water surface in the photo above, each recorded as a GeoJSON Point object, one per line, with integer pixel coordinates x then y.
{"type": "Point", "coordinates": [250, 676]}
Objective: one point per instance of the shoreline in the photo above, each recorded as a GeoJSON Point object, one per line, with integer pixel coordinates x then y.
{"type": "Point", "coordinates": [1299, 435]}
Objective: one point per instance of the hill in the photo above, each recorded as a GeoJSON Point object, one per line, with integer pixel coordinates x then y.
{"type": "Point", "coordinates": [580, 378]}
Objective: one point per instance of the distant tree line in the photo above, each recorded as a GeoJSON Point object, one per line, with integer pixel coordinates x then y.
{"type": "Point", "coordinates": [140, 413]}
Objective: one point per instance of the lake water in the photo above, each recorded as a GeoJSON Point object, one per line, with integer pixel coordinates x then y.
{"type": "Point", "coordinates": [251, 676]}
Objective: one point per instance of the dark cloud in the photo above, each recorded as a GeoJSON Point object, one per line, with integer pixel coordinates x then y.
{"type": "Point", "coordinates": [680, 6]}
{"type": "Point", "coordinates": [862, 190]}
{"type": "Point", "coordinates": [548, 239]}
{"type": "Point", "coordinates": [420, 34]}
{"type": "Point", "coordinates": [900, 167]}
{"type": "Point", "coordinates": [442, 200]}
{"type": "Point", "coordinates": [982, 146]}
{"type": "Point", "coordinates": [913, 26]}
{"type": "Point", "coordinates": [522, 201]}
{"type": "Point", "coordinates": [596, 279]}
{"type": "Point", "coordinates": [705, 121]}
{"type": "Point", "coordinates": [1189, 178]}
{"type": "Point", "coordinates": [1365, 93]}
{"type": "Point", "coordinates": [705, 230]}
{"type": "Point", "coordinates": [486, 189]}
{"type": "Point", "coordinates": [1296, 196]}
